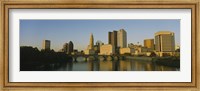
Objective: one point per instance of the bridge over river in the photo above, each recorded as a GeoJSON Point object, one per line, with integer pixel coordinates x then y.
{"type": "Point", "coordinates": [97, 57]}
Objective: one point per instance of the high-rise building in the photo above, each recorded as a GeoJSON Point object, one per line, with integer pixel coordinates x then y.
{"type": "Point", "coordinates": [149, 43]}
{"type": "Point", "coordinates": [70, 48]}
{"type": "Point", "coordinates": [91, 46]}
{"type": "Point", "coordinates": [46, 44]}
{"type": "Point", "coordinates": [112, 38]}
{"type": "Point", "coordinates": [164, 42]}
{"type": "Point", "coordinates": [65, 47]}
{"type": "Point", "coordinates": [121, 38]}
{"type": "Point", "coordinates": [109, 37]}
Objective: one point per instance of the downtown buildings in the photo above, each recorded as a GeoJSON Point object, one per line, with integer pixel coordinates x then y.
{"type": "Point", "coordinates": [68, 48]}
{"type": "Point", "coordinates": [112, 38]}
{"type": "Point", "coordinates": [121, 38]}
{"type": "Point", "coordinates": [107, 49]}
{"type": "Point", "coordinates": [116, 40]}
{"type": "Point", "coordinates": [149, 43]}
{"type": "Point", "coordinates": [164, 43]}
{"type": "Point", "coordinates": [46, 44]}
{"type": "Point", "coordinates": [90, 48]}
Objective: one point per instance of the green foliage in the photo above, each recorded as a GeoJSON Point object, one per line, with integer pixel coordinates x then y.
{"type": "Point", "coordinates": [32, 58]}
{"type": "Point", "coordinates": [168, 61]}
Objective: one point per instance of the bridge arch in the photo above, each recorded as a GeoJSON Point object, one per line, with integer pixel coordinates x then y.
{"type": "Point", "coordinates": [98, 57]}
{"type": "Point", "coordinates": [101, 58]}
{"type": "Point", "coordinates": [116, 57]}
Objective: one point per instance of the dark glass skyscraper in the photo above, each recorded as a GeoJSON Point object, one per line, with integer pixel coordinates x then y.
{"type": "Point", "coordinates": [70, 47]}
{"type": "Point", "coordinates": [65, 47]}
{"type": "Point", "coordinates": [46, 44]}
{"type": "Point", "coordinates": [112, 38]}
{"type": "Point", "coordinates": [109, 37]}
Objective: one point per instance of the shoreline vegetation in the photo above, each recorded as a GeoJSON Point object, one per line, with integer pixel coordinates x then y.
{"type": "Point", "coordinates": [165, 61]}
{"type": "Point", "coordinates": [32, 59]}
{"type": "Point", "coordinates": [168, 61]}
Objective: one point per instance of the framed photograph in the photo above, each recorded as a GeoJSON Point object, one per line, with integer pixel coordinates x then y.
{"type": "Point", "coordinates": [100, 45]}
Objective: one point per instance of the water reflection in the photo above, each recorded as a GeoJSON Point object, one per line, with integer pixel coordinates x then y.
{"type": "Point", "coordinates": [120, 65]}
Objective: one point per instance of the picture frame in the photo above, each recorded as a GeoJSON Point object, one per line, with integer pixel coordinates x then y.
{"type": "Point", "coordinates": [157, 86]}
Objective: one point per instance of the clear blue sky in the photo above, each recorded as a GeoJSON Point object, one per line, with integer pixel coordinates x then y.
{"type": "Point", "coordinates": [32, 32]}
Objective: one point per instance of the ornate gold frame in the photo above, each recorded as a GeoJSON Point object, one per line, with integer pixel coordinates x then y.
{"type": "Point", "coordinates": [6, 85]}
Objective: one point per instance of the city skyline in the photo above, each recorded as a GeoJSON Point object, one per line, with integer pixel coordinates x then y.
{"type": "Point", "coordinates": [33, 32]}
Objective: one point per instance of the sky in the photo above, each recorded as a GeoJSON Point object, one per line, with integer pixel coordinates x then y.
{"type": "Point", "coordinates": [33, 32]}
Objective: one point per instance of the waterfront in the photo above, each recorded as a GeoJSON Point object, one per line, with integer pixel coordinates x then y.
{"type": "Point", "coordinates": [34, 60]}
{"type": "Point", "coordinates": [120, 65]}
{"type": "Point", "coordinates": [116, 49]}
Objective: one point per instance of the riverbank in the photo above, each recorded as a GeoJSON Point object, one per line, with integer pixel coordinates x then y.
{"type": "Point", "coordinates": [139, 58]}
{"type": "Point", "coordinates": [166, 61]}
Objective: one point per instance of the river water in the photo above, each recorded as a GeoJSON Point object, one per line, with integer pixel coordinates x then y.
{"type": "Point", "coordinates": [108, 65]}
